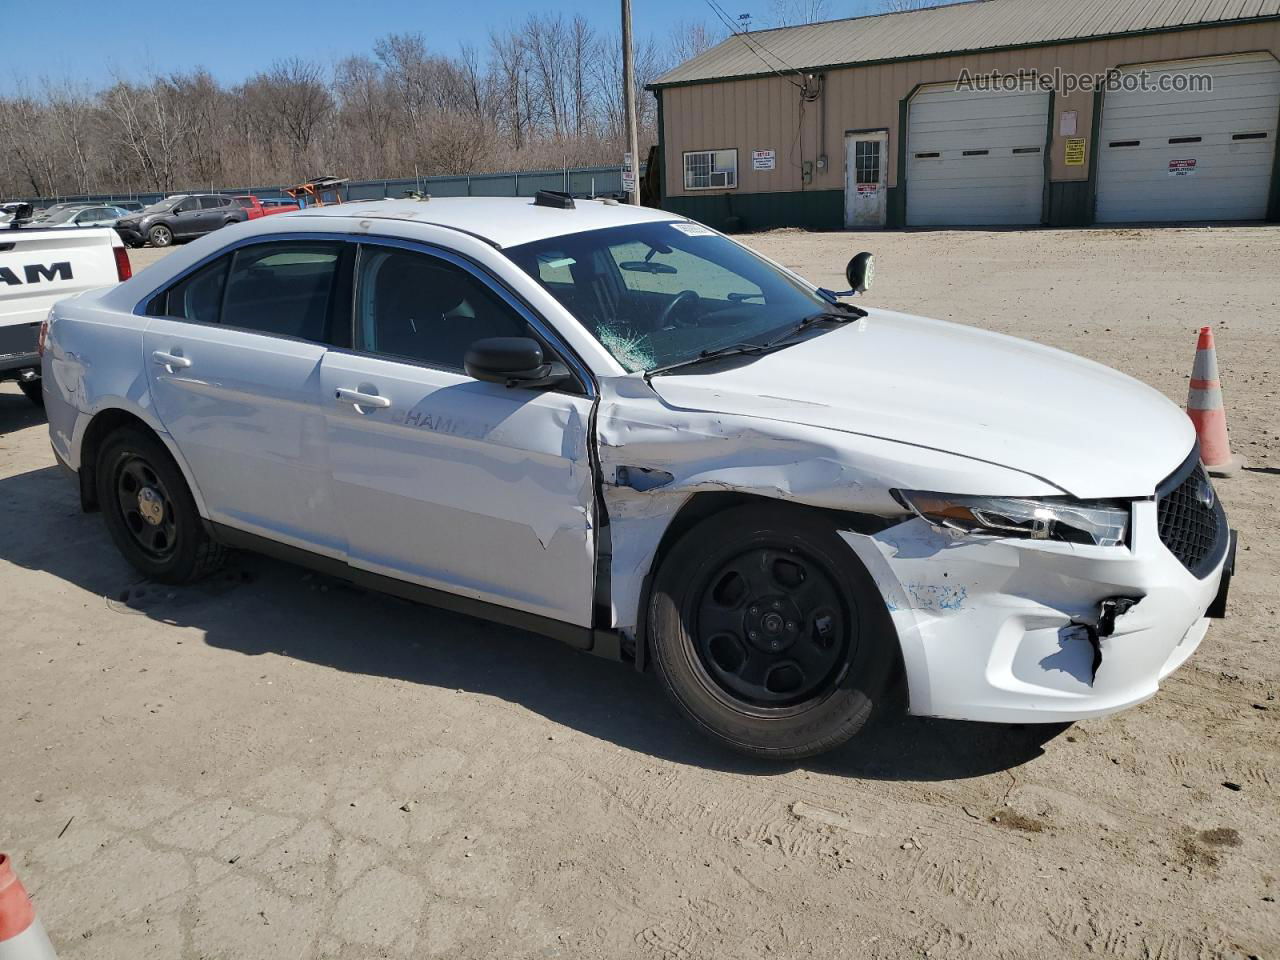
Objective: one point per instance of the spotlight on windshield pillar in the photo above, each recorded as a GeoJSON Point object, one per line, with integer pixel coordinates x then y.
{"type": "Point", "coordinates": [861, 272]}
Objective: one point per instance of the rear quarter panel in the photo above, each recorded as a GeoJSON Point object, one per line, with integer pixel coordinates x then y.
{"type": "Point", "coordinates": [94, 362]}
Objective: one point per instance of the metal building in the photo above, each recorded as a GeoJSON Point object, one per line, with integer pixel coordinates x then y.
{"type": "Point", "coordinates": [1058, 112]}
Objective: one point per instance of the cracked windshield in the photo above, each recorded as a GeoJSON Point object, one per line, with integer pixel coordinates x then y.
{"type": "Point", "coordinates": [659, 293]}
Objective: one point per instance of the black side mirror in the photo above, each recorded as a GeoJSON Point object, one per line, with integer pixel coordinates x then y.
{"type": "Point", "coordinates": [860, 272]}
{"type": "Point", "coordinates": [513, 361]}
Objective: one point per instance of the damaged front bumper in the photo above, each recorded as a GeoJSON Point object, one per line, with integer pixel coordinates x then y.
{"type": "Point", "coordinates": [1022, 631]}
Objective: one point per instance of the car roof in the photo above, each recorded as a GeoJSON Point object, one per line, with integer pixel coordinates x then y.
{"type": "Point", "coordinates": [503, 221]}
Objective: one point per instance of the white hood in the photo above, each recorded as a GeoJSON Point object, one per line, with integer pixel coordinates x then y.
{"type": "Point", "coordinates": [1087, 429]}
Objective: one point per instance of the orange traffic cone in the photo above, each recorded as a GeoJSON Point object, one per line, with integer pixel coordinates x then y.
{"type": "Point", "coordinates": [1204, 407]}
{"type": "Point", "coordinates": [21, 935]}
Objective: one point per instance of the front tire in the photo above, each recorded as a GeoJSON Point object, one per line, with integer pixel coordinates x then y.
{"type": "Point", "coordinates": [32, 390]}
{"type": "Point", "coordinates": [150, 512]}
{"type": "Point", "coordinates": [160, 235]}
{"type": "Point", "coordinates": [769, 634]}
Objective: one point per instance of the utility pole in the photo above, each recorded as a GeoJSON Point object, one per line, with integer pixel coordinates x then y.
{"type": "Point", "coordinates": [629, 102]}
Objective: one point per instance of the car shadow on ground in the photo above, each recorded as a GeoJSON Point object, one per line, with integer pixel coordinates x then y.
{"type": "Point", "coordinates": [17, 412]}
{"type": "Point", "coordinates": [258, 606]}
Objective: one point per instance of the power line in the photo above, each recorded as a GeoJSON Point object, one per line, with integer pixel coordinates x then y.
{"type": "Point", "coordinates": [754, 46]}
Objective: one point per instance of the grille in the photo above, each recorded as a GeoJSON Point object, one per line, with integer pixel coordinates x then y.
{"type": "Point", "coordinates": [1193, 530]}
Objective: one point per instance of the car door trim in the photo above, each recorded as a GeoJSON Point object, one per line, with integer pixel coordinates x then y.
{"type": "Point", "coordinates": [494, 284]}
{"type": "Point", "coordinates": [580, 370]}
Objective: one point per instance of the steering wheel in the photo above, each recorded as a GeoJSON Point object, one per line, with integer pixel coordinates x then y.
{"type": "Point", "coordinates": [682, 303]}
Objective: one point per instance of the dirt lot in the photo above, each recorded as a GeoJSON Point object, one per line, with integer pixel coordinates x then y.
{"type": "Point", "coordinates": [274, 765]}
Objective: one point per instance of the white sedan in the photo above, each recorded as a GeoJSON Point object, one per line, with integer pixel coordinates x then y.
{"type": "Point", "coordinates": [625, 430]}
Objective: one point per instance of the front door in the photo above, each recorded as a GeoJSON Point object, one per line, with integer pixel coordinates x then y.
{"type": "Point", "coordinates": [233, 357]}
{"type": "Point", "coordinates": [865, 188]}
{"type": "Point", "coordinates": [445, 481]}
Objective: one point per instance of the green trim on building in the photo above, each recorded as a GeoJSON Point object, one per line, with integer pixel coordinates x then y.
{"type": "Point", "coordinates": [662, 155]}
{"type": "Point", "coordinates": [1069, 204]}
{"type": "Point", "coordinates": [1273, 205]}
{"type": "Point", "coordinates": [1045, 197]}
{"type": "Point", "coordinates": [730, 212]}
{"type": "Point", "coordinates": [975, 51]}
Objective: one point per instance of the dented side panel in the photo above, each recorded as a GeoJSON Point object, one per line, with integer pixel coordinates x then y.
{"type": "Point", "coordinates": [667, 455]}
{"type": "Point", "coordinates": [465, 486]}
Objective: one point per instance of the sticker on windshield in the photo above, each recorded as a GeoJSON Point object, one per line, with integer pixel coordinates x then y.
{"type": "Point", "coordinates": [694, 230]}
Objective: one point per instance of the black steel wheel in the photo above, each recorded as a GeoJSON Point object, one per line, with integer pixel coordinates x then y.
{"type": "Point", "coordinates": [771, 628]}
{"type": "Point", "coordinates": [768, 633]}
{"type": "Point", "coordinates": [149, 510]}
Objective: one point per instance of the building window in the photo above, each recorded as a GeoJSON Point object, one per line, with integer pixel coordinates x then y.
{"type": "Point", "coordinates": [711, 169]}
{"type": "Point", "coordinates": [866, 161]}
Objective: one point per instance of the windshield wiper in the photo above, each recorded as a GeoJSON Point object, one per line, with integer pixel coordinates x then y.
{"type": "Point", "coordinates": [845, 314]}
{"type": "Point", "coordinates": [732, 350]}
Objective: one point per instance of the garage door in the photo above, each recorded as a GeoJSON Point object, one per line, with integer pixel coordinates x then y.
{"type": "Point", "coordinates": [1191, 154]}
{"type": "Point", "coordinates": [975, 158]}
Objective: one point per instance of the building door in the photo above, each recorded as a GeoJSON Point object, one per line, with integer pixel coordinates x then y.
{"type": "Point", "coordinates": [1197, 142]}
{"type": "Point", "coordinates": [864, 179]}
{"type": "Point", "coordinates": [975, 158]}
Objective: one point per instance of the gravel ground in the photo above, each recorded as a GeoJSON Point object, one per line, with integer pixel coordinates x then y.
{"type": "Point", "coordinates": [272, 765]}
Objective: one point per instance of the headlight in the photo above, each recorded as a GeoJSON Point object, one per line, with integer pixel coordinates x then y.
{"type": "Point", "coordinates": [1101, 522]}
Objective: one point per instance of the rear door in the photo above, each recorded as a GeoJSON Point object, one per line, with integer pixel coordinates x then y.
{"type": "Point", "coordinates": [233, 356]}
{"type": "Point", "coordinates": [447, 481]}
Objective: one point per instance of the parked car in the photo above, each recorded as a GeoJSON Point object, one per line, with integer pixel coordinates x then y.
{"type": "Point", "coordinates": [180, 217]}
{"type": "Point", "coordinates": [262, 208]}
{"type": "Point", "coordinates": [621, 428]}
{"type": "Point", "coordinates": [89, 216]}
{"type": "Point", "coordinates": [57, 209]}
{"type": "Point", "coordinates": [37, 268]}
{"type": "Point", "coordinates": [132, 206]}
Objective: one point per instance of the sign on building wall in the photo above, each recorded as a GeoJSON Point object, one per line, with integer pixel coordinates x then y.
{"type": "Point", "coordinates": [1075, 152]}
{"type": "Point", "coordinates": [1067, 124]}
{"type": "Point", "coordinates": [1182, 168]}
{"type": "Point", "coordinates": [762, 160]}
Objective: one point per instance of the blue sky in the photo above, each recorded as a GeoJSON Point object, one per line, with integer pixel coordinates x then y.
{"type": "Point", "coordinates": [87, 40]}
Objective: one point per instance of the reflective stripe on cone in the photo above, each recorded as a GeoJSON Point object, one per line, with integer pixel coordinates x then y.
{"type": "Point", "coordinates": [1206, 409]}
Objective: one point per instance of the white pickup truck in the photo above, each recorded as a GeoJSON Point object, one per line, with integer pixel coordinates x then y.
{"type": "Point", "coordinates": [38, 267]}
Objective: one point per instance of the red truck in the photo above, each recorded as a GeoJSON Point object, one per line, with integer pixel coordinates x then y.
{"type": "Point", "coordinates": [264, 208]}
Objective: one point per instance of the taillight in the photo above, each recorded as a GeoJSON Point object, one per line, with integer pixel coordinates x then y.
{"type": "Point", "coordinates": [42, 336]}
{"type": "Point", "coordinates": [124, 269]}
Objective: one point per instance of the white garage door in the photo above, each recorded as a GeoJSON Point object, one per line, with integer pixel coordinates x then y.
{"type": "Point", "coordinates": [975, 158]}
{"type": "Point", "coordinates": [1191, 154]}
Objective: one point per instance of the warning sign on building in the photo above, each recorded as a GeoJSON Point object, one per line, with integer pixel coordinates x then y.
{"type": "Point", "coordinates": [761, 159]}
{"type": "Point", "coordinates": [1182, 168]}
{"type": "Point", "coordinates": [1075, 152]}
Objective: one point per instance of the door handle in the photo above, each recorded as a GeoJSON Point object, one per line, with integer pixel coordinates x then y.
{"type": "Point", "coordinates": [358, 399]}
{"type": "Point", "coordinates": [170, 361]}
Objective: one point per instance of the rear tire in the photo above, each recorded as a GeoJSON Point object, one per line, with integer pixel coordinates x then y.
{"type": "Point", "coordinates": [150, 512]}
{"type": "Point", "coordinates": [160, 235]}
{"type": "Point", "coordinates": [769, 634]}
{"type": "Point", "coordinates": [32, 390]}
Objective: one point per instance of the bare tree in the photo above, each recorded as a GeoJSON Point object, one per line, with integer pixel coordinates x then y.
{"type": "Point", "coordinates": [545, 91]}
{"type": "Point", "coordinates": [789, 13]}
{"type": "Point", "coordinates": [689, 38]}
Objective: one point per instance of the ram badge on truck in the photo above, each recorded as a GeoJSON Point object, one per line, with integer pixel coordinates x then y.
{"type": "Point", "coordinates": [38, 267]}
